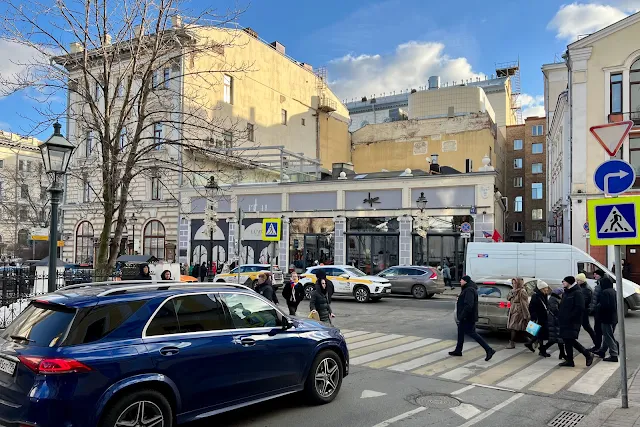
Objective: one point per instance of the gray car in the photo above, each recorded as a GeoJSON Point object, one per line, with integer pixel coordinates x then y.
{"type": "Point", "coordinates": [419, 281]}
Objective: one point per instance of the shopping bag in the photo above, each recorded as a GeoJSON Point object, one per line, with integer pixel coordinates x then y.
{"type": "Point", "coordinates": [533, 328]}
{"type": "Point", "coordinates": [314, 315]}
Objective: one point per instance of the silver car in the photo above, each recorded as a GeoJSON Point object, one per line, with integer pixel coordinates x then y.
{"type": "Point", "coordinates": [421, 282]}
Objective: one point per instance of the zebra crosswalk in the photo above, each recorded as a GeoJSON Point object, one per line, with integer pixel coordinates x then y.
{"type": "Point", "coordinates": [513, 369]}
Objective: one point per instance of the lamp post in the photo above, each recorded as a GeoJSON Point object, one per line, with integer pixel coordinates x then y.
{"type": "Point", "coordinates": [211, 217]}
{"type": "Point", "coordinates": [421, 222]}
{"type": "Point", "coordinates": [56, 154]}
{"type": "Point", "coordinates": [133, 220]}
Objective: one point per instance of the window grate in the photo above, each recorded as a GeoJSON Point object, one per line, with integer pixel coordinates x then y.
{"type": "Point", "coordinates": [566, 419]}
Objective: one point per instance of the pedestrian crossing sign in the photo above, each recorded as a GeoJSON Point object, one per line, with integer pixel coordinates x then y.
{"type": "Point", "coordinates": [614, 221]}
{"type": "Point", "coordinates": [271, 229]}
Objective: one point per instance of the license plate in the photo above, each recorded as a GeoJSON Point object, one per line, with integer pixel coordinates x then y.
{"type": "Point", "coordinates": [388, 290]}
{"type": "Point", "coordinates": [7, 366]}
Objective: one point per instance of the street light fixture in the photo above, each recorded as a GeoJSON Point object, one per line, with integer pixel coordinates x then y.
{"type": "Point", "coordinates": [211, 217]}
{"type": "Point", "coordinates": [421, 202]}
{"type": "Point", "coordinates": [56, 154]}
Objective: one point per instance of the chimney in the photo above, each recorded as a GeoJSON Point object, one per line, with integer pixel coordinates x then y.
{"type": "Point", "coordinates": [278, 46]}
{"type": "Point", "coordinates": [251, 32]}
{"type": "Point", "coordinates": [76, 47]}
{"type": "Point", "coordinates": [434, 167]}
{"type": "Point", "coordinates": [176, 21]}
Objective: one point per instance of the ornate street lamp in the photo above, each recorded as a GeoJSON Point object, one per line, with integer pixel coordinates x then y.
{"type": "Point", "coordinates": [421, 222]}
{"type": "Point", "coordinates": [211, 216]}
{"type": "Point", "coordinates": [421, 202]}
{"type": "Point", "coordinates": [56, 154]}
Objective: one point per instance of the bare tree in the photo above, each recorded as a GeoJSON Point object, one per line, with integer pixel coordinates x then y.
{"type": "Point", "coordinates": [139, 79]}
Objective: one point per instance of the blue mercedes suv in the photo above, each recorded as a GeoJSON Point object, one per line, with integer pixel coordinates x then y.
{"type": "Point", "coordinates": [158, 354]}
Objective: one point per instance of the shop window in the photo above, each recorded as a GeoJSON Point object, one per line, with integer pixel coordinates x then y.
{"type": "Point", "coordinates": [84, 243]}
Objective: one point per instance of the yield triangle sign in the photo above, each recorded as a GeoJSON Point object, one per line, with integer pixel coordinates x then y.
{"type": "Point", "coordinates": [615, 223]}
{"type": "Point", "coordinates": [612, 135]}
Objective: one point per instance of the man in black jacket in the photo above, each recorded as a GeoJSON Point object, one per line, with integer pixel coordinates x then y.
{"type": "Point", "coordinates": [597, 326]}
{"type": "Point", "coordinates": [607, 313]}
{"type": "Point", "coordinates": [467, 314]}
{"type": "Point", "coordinates": [570, 320]}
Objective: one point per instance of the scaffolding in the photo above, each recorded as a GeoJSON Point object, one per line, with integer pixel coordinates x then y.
{"type": "Point", "coordinates": [512, 71]}
{"type": "Point", "coordinates": [325, 103]}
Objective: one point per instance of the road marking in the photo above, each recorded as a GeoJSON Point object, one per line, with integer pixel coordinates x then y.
{"type": "Point", "coordinates": [345, 331]}
{"type": "Point", "coordinates": [363, 337]}
{"type": "Point", "coordinates": [531, 373]}
{"type": "Point", "coordinates": [474, 367]}
{"type": "Point", "coordinates": [450, 363]}
{"type": "Point", "coordinates": [370, 393]}
{"type": "Point", "coordinates": [462, 390]}
{"type": "Point", "coordinates": [492, 411]}
{"type": "Point", "coordinates": [466, 411]}
{"type": "Point", "coordinates": [374, 348]}
{"type": "Point", "coordinates": [425, 360]}
{"type": "Point", "coordinates": [551, 384]}
{"type": "Point", "coordinates": [504, 369]}
{"type": "Point", "coordinates": [390, 351]}
{"type": "Point", "coordinates": [378, 340]}
{"type": "Point", "coordinates": [492, 387]}
{"type": "Point", "coordinates": [351, 334]}
{"type": "Point", "coordinates": [401, 417]}
{"type": "Point", "coordinates": [393, 360]}
{"type": "Point", "coordinates": [595, 378]}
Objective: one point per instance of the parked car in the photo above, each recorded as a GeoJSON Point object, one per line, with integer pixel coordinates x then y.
{"type": "Point", "coordinates": [123, 354]}
{"type": "Point", "coordinates": [421, 282]}
{"type": "Point", "coordinates": [347, 281]}
{"type": "Point", "coordinates": [249, 275]}
{"type": "Point", "coordinates": [493, 305]}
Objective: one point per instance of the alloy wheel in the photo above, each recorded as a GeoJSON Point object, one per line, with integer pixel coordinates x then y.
{"type": "Point", "coordinates": [361, 294]}
{"type": "Point", "coordinates": [327, 377]}
{"type": "Point", "coordinates": [419, 292]}
{"type": "Point", "coordinates": [308, 290]}
{"type": "Point", "coordinates": [141, 414]}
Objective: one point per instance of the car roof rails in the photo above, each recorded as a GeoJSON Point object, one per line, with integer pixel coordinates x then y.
{"type": "Point", "coordinates": [160, 286]}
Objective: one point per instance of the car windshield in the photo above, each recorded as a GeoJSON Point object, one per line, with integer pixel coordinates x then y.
{"type": "Point", "coordinates": [354, 272]}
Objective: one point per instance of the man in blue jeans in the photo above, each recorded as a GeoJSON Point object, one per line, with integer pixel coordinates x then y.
{"type": "Point", "coordinates": [467, 314]}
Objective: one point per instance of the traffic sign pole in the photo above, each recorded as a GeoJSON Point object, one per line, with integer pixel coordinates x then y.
{"type": "Point", "coordinates": [623, 344]}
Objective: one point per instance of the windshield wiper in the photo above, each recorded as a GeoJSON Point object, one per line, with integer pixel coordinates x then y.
{"type": "Point", "coordinates": [20, 338]}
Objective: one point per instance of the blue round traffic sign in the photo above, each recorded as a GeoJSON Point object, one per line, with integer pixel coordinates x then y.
{"type": "Point", "coordinates": [614, 177]}
{"type": "Point", "coordinates": [585, 226]}
{"type": "Point", "coordinates": [465, 227]}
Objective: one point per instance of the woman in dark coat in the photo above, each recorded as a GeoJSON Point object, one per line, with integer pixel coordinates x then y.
{"type": "Point", "coordinates": [320, 302]}
{"type": "Point", "coordinates": [553, 305]}
{"type": "Point", "coordinates": [538, 313]}
{"type": "Point", "coordinates": [570, 319]}
{"type": "Point", "coordinates": [203, 271]}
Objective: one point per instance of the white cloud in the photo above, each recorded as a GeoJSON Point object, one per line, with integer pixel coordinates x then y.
{"type": "Point", "coordinates": [409, 66]}
{"type": "Point", "coordinates": [532, 106]}
{"type": "Point", "coordinates": [576, 19]}
{"type": "Point", "coordinates": [17, 58]}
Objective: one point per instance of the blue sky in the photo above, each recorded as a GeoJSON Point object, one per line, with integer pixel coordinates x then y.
{"type": "Point", "coordinates": [375, 47]}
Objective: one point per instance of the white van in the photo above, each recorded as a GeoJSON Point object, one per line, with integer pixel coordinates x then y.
{"type": "Point", "coordinates": [550, 262]}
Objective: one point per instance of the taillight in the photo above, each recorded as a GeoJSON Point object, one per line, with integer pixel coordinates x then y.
{"type": "Point", "coordinates": [44, 365]}
{"type": "Point", "coordinates": [504, 305]}
{"type": "Point", "coordinates": [434, 274]}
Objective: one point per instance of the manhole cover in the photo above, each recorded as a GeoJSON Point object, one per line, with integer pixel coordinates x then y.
{"type": "Point", "coordinates": [566, 419]}
{"type": "Point", "coordinates": [437, 402]}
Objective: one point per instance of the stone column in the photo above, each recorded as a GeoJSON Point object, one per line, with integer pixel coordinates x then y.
{"type": "Point", "coordinates": [340, 240]}
{"type": "Point", "coordinates": [283, 258]}
{"type": "Point", "coordinates": [231, 246]}
{"type": "Point", "coordinates": [406, 238]}
{"type": "Point", "coordinates": [183, 240]}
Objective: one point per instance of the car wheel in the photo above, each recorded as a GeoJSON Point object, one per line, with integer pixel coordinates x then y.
{"type": "Point", "coordinates": [419, 291]}
{"type": "Point", "coordinates": [361, 293]}
{"type": "Point", "coordinates": [325, 377]}
{"type": "Point", "coordinates": [308, 290]}
{"type": "Point", "coordinates": [140, 408]}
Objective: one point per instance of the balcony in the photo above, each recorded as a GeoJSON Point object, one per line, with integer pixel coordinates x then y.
{"type": "Point", "coordinates": [634, 116]}
{"type": "Point", "coordinates": [326, 104]}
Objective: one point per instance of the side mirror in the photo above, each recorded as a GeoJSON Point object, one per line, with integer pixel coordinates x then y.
{"type": "Point", "coordinates": [344, 276]}
{"type": "Point", "coordinates": [382, 275]}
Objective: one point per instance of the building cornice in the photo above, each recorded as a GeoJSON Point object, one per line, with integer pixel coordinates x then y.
{"type": "Point", "coordinates": [605, 32]}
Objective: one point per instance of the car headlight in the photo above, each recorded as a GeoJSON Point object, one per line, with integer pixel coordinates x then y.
{"type": "Point", "coordinates": [637, 290]}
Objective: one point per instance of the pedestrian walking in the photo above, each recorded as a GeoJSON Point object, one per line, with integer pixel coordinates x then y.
{"type": "Point", "coordinates": [321, 275]}
{"type": "Point", "coordinates": [320, 301]}
{"type": "Point", "coordinates": [597, 326]}
{"type": "Point", "coordinates": [467, 315]}
{"type": "Point", "coordinates": [553, 309]}
{"type": "Point", "coordinates": [538, 312]}
{"type": "Point", "coordinates": [203, 272]}
{"type": "Point", "coordinates": [265, 288]}
{"type": "Point", "coordinates": [144, 273]}
{"type": "Point", "coordinates": [626, 270]}
{"type": "Point", "coordinates": [570, 319]}
{"type": "Point", "coordinates": [446, 275]}
{"type": "Point", "coordinates": [607, 313]}
{"type": "Point", "coordinates": [293, 293]}
{"type": "Point", "coordinates": [214, 269]}
{"type": "Point", "coordinates": [519, 311]}
{"type": "Point", "coordinates": [581, 280]}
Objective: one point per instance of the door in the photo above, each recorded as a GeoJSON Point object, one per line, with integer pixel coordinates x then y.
{"type": "Point", "coordinates": [276, 357]}
{"type": "Point", "coordinates": [632, 262]}
{"type": "Point", "coordinates": [340, 284]}
{"type": "Point", "coordinates": [194, 331]}
{"type": "Point", "coordinates": [404, 280]}
{"type": "Point", "coordinates": [393, 276]}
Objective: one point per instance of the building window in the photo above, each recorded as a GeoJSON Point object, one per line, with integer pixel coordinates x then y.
{"type": "Point", "coordinates": [536, 148]}
{"type": "Point", "coordinates": [536, 191]}
{"type": "Point", "coordinates": [154, 80]}
{"type": "Point", "coordinates": [304, 123]}
{"type": "Point", "coordinates": [536, 235]}
{"type": "Point", "coordinates": [166, 75]}
{"type": "Point", "coordinates": [469, 166]}
{"type": "Point", "coordinates": [536, 214]}
{"type": "Point", "coordinates": [228, 89]}
{"type": "Point", "coordinates": [517, 204]}
{"type": "Point", "coordinates": [250, 135]}
{"type": "Point", "coordinates": [517, 227]}
{"type": "Point", "coordinates": [517, 163]}
{"type": "Point", "coordinates": [537, 130]}
{"type": "Point", "coordinates": [21, 165]}
{"type": "Point", "coordinates": [24, 191]}
{"type": "Point", "coordinates": [157, 136]}
{"type": "Point", "coordinates": [86, 190]}
{"type": "Point", "coordinates": [517, 144]}
{"type": "Point", "coordinates": [517, 181]}
{"type": "Point", "coordinates": [284, 117]}
{"type": "Point", "coordinates": [153, 240]}
{"type": "Point", "coordinates": [88, 143]}
{"type": "Point", "coordinates": [22, 214]}
{"type": "Point", "coordinates": [155, 188]}
{"type": "Point", "coordinates": [228, 139]}
{"type": "Point", "coordinates": [84, 243]}
{"type": "Point", "coordinates": [615, 84]}
{"type": "Point", "coordinates": [536, 168]}
{"type": "Point", "coordinates": [634, 157]}
{"type": "Point", "coordinates": [634, 91]}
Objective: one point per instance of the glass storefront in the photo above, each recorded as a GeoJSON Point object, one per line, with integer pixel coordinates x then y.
{"type": "Point", "coordinates": [310, 242]}
{"type": "Point", "coordinates": [372, 243]}
{"type": "Point", "coordinates": [437, 249]}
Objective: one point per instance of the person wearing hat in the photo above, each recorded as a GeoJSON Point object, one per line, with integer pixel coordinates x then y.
{"type": "Point", "coordinates": [467, 315]}
{"type": "Point", "coordinates": [597, 326]}
{"type": "Point", "coordinates": [581, 280]}
{"type": "Point", "coordinates": [570, 320]}
{"type": "Point", "coordinates": [538, 313]}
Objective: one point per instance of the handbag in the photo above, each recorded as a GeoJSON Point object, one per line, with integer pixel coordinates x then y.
{"type": "Point", "coordinates": [314, 315]}
{"type": "Point", "coordinates": [533, 328]}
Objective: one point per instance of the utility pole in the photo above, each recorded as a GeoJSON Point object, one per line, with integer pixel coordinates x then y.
{"type": "Point", "coordinates": [240, 218]}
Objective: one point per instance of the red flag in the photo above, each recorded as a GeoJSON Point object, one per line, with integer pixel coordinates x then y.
{"type": "Point", "coordinates": [496, 236]}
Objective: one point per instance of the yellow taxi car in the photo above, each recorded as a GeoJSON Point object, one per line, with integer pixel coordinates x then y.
{"type": "Point", "coordinates": [249, 275]}
{"type": "Point", "coordinates": [347, 281]}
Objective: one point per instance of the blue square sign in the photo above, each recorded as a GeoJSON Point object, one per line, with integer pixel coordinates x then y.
{"type": "Point", "coordinates": [616, 221]}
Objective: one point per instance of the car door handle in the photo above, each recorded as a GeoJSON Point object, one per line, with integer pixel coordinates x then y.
{"type": "Point", "coordinates": [247, 342]}
{"type": "Point", "coordinates": [169, 351]}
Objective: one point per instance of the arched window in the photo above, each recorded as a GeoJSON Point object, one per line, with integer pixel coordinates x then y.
{"type": "Point", "coordinates": [23, 237]}
{"type": "Point", "coordinates": [84, 243]}
{"type": "Point", "coordinates": [634, 91]}
{"type": "Point", "coordinates": [154, 239]}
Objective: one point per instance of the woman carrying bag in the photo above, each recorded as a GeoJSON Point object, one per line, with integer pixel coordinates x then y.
{"type": "Point", "coordinates": [539, 316]}
{"type": "Point", "coordinates": [519, 312]}
{"type": "Point", "coordinates": [319, 304]}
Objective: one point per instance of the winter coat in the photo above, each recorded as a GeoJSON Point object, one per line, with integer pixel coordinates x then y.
{"type": "Point", "coordinates": [519, 313]}
{"type": "Point", "coordinates": [553, 309]}
{"type": "Point", "coordinates": [446, 272]}
{"type": "Point", "coordinates": [142, 275]}
{"type": "Point", "coordinates": [293, 293]}
{"type": "Point", "coordinates": [467, 304]}
{"type": "Point", "coordinates": [320, 303]}
{"type": "Point", "coordinates": [330, 289]}
{"type": "Point", "coordinates": [594, 299]}
{"type": "Point", "coordinates": [607, 305]}
{"type": "Point", "coordinates": [203, 271]}
{"type": "Point", "coordinates": [588, 297]}
{"type": "Point", "coordinates": [538, 312]}
{"type": "Point", "coordinates": [266, 290]}
{"type": "Point", "coordinates": [571, 311]}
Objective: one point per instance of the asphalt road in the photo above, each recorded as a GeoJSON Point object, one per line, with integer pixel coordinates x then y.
{"type": "Point", "coordinates": [396, 381]}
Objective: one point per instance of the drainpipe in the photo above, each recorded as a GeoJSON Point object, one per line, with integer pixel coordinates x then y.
{"type": "Point", "coordinates": [570, 101]}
